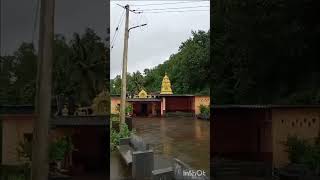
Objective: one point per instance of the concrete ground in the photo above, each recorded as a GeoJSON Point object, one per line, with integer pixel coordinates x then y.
{"type": "Point", "coordinates": [185, 138]}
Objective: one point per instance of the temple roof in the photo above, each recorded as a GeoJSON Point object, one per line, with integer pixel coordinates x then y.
{"type": "Point", "coordinates": [143, 100]}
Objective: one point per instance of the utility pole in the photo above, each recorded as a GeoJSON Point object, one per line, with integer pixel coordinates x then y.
{"type": "Point", "coordinates": [124, 64]}
{"type": "Point", "coordinates": [124, 69]}
{"type": "Point", "coordinates": [1, 66]}
{"type": "Point", "coordinates": [40, 155]}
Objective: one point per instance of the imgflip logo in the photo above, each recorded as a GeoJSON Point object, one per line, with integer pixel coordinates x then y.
{"type": "Point", "coordinates": [194, 173]}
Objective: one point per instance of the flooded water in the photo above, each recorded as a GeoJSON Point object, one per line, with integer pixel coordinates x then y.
{"type": "Point", "coordinates": [184, 138]}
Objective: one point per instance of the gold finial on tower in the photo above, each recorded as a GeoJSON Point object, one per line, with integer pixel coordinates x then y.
{"type": "Point", "coordinates": [166, 85]}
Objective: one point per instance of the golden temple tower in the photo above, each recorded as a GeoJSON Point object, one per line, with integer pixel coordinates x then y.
{"type": "Point", "coordinates": [166, 85]}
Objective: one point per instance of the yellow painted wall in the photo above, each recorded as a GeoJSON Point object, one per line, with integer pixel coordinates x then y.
{"type": "Point", "coordinates": [198, 100]}
{"type": "Point", "coordinates": [12, 133]}
{"type": "Point", "coordinates": [303, 122]}
{"type": "Point", "coordinates": [114, 103]}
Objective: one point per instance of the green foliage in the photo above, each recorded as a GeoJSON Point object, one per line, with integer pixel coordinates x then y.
{"type": "Point", "coordinates": [296, 148]}
{"type": "Point", "coordinates": [129, 109]}
{"type": "Point", "coordinates": [188, 70]}
{"type": "Point", "coordinates": [79, 70]}
{"type": "Point", "coordinates": [205, 110]}
{"type": "Point", "coordinates": [304, 152]}
{"type": "Point", "coordinates": [264, 52]}
{"type": "Point", "coordinates": [59, 148]}
{"type": "Point", "coordinates": [114, 139]}
{"type": "Point", "coordinates": [115, 135]}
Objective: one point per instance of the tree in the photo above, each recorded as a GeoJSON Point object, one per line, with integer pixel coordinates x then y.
{"type": "Point", "coordinates": [188, 69]}
{"type": "Point", "coordinates": [89, 72]}
{"type": "Point", "coordinates": [261, 53]}
{"type": "Point", "coordinates": [79, 70]}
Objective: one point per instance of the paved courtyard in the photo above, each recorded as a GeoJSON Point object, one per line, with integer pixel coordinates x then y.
{"type": "Point", "coordinates": [184, 138]}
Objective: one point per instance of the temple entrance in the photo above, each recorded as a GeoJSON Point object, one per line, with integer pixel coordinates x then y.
{"type": "Point", "coordinates": [93, 158]}
{"type": "Point", "coordinates": [144, 109]}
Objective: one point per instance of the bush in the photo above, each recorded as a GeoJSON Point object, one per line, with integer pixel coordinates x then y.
{"type": "Point", "coordinates": [115, 136]}
{"type": "Point", "coordinates": [301, 151]}
{"type": "Point", "coordinates": [59, 148]}
{"type": "Point", "coordinates": [204, 110]}
{"type": "Point", "coordinates": [295, 148]}
{"type": "Point", "coordinates": [129, 109]}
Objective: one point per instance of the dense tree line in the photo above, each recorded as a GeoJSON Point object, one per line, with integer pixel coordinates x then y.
{"type": "Point", "coordinates": [265, 52]}
{"type": "Point", "coordinates": [188, 70]}
{"type": "Point", "coordinates": [79, 70]}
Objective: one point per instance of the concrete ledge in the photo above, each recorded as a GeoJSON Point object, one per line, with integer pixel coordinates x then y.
{"type": "Point", "coordinates": [163, 174]}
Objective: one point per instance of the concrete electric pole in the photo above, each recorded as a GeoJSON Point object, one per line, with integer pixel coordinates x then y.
{"type": "Point", "coordinates": [40, 155]}
{"type": "Point", "coordinates": [124, 69]}
{"type": "Point", "coordinates": [1, 66]}
{"type": "Point", "coordinates": [125, 65]}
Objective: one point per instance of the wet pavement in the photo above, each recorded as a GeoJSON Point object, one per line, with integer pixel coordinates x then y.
{"type": "Point", "coordinates": [184, 138]}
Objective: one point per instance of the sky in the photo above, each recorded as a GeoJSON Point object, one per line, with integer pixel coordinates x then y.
{"type": "Point", "coordinates": [154, 43]}
{"type": "Point", "coordinates": [71, 16]}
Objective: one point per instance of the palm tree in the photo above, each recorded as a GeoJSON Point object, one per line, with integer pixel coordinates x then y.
{"type": "Point", "coordinates": [89, 59]}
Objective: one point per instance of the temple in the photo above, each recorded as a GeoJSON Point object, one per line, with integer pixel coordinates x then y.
{"type": "Point", "coordinates": [149, 104]}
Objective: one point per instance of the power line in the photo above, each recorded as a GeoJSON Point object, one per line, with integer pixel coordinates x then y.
{"type": "Point", "coordinates": [116, 35]}
{"type": "Point", "coordinates": [1, 33]}
{"type": "Point", "coordinates": [199, 10]}
{"type": "Point", "coordinates": [171, 3]}
{"type": "Point", "coordinates": [35, 19]}
{"type": "Point", "coordinates": [188, 7]}
{"type": "Point", "coordinates": [117, 29]}
{"type": "Point", "coordinates": [124, 7]}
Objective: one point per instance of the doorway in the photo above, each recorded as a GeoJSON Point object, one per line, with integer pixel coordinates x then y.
{"type": "Point", "coordinates": [90, 159]}
{"type": "Point", "coordinates": [144, 109]}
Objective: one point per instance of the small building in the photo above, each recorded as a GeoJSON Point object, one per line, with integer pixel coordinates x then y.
{"type": "Point", "coordinates": [158, 104]}
{"type": "Point", "coordinates": [257, 132]}
{"type": "Point", "coordinates": [83, 129]}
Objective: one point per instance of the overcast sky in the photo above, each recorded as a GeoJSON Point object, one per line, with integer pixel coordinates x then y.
{"type": "Point", "coordinates": [70, 16]}
{"type": "Point", "coordinates": [153, 44]}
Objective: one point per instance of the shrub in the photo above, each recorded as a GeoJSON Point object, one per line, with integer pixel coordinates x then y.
{"type": "Point", "coordinates": [59, 148]}
{"type": "Point", "coordinates": [115, 136]}
{"type": "Point", "coordinates": [295, 148]}
{"type": "Point", "coordinates": [303, 152]}
{"type": "Point", "coordinates": [129, 109]}
{"type": "Point", "coordinates": [205, 110]}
